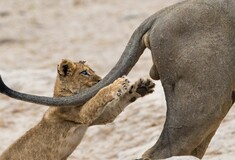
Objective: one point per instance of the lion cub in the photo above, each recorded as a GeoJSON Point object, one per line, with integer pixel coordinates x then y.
{"type": "Point", "coordinates": [61, 129]}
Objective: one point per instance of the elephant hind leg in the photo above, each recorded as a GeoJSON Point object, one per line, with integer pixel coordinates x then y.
{"type": "Point", "coordinates": [233, 97]}
{"type": "Point", "coordinates": [201, 149]}
{"type": "Point", "coordinates": [194, 112]}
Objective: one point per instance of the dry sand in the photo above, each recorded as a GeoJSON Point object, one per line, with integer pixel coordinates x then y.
{"type": "Point", "coordinates": [35, 35]}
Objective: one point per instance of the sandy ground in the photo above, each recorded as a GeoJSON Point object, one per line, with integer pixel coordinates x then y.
{"type": "Point", "coordinates": [35, 35]}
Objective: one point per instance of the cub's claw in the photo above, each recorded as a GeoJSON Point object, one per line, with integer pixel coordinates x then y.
{"type": "Point", "coordinates": [120, 86]}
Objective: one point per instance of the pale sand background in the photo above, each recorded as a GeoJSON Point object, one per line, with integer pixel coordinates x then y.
{"type": "Point", "coordinates": [35, 35]}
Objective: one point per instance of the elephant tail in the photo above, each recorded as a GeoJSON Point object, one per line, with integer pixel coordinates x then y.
{"type": "Point", "coordinates": [134, 49]}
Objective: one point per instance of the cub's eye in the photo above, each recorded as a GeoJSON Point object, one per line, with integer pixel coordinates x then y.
{"type": "Point", "coordinates": [85, 73]}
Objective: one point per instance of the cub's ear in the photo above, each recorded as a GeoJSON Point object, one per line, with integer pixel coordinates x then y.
{"type": "Point", "coordinates": [66, 68]}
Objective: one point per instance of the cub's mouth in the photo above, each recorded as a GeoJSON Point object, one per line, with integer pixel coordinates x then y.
{"type": "Point", "coordinates": [90, 84]}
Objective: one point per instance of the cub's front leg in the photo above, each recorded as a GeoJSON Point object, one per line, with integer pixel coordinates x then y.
{"type": "Point", "coordinates": [139, 89]}
{"type": "Point", "coordinates": [95, 107]}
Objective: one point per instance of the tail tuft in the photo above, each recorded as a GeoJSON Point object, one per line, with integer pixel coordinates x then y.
{"type": "Point", "coordinates": [3, 87]}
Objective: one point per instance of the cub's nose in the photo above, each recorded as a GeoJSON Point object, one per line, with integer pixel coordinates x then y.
{"type": "Point", "coordinates": [98, 78]}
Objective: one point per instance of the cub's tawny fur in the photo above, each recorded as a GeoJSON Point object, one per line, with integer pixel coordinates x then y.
{"type": "Point", "coordinates": [60, 131]}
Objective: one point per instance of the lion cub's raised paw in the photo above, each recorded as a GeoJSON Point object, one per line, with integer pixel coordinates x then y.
{"type": "Point", "coordinates": [116, 89]}
{"type": "Point", "coordinates": [120, 87]}
{"type": "Point", "coordinates": [142, 87]}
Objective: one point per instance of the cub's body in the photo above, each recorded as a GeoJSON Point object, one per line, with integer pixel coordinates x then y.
{"type": "Point", "coordinates": [61, 129]}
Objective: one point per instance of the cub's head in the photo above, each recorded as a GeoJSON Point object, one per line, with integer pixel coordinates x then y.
{"type": "Point", "coordinates": [73, 77]}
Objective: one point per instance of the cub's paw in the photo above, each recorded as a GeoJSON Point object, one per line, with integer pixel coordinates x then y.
{"type": "Point", "coordinates": [119, 87]}
{"type": "Point", "coordinates": [142, 87]}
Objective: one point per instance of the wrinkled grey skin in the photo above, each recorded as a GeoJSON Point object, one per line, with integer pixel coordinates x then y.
{"type": "Point", "coordinates": [193, 50]}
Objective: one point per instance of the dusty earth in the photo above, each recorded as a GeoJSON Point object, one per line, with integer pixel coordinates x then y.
{"type": "Point", "coordinates": [35, 35]}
